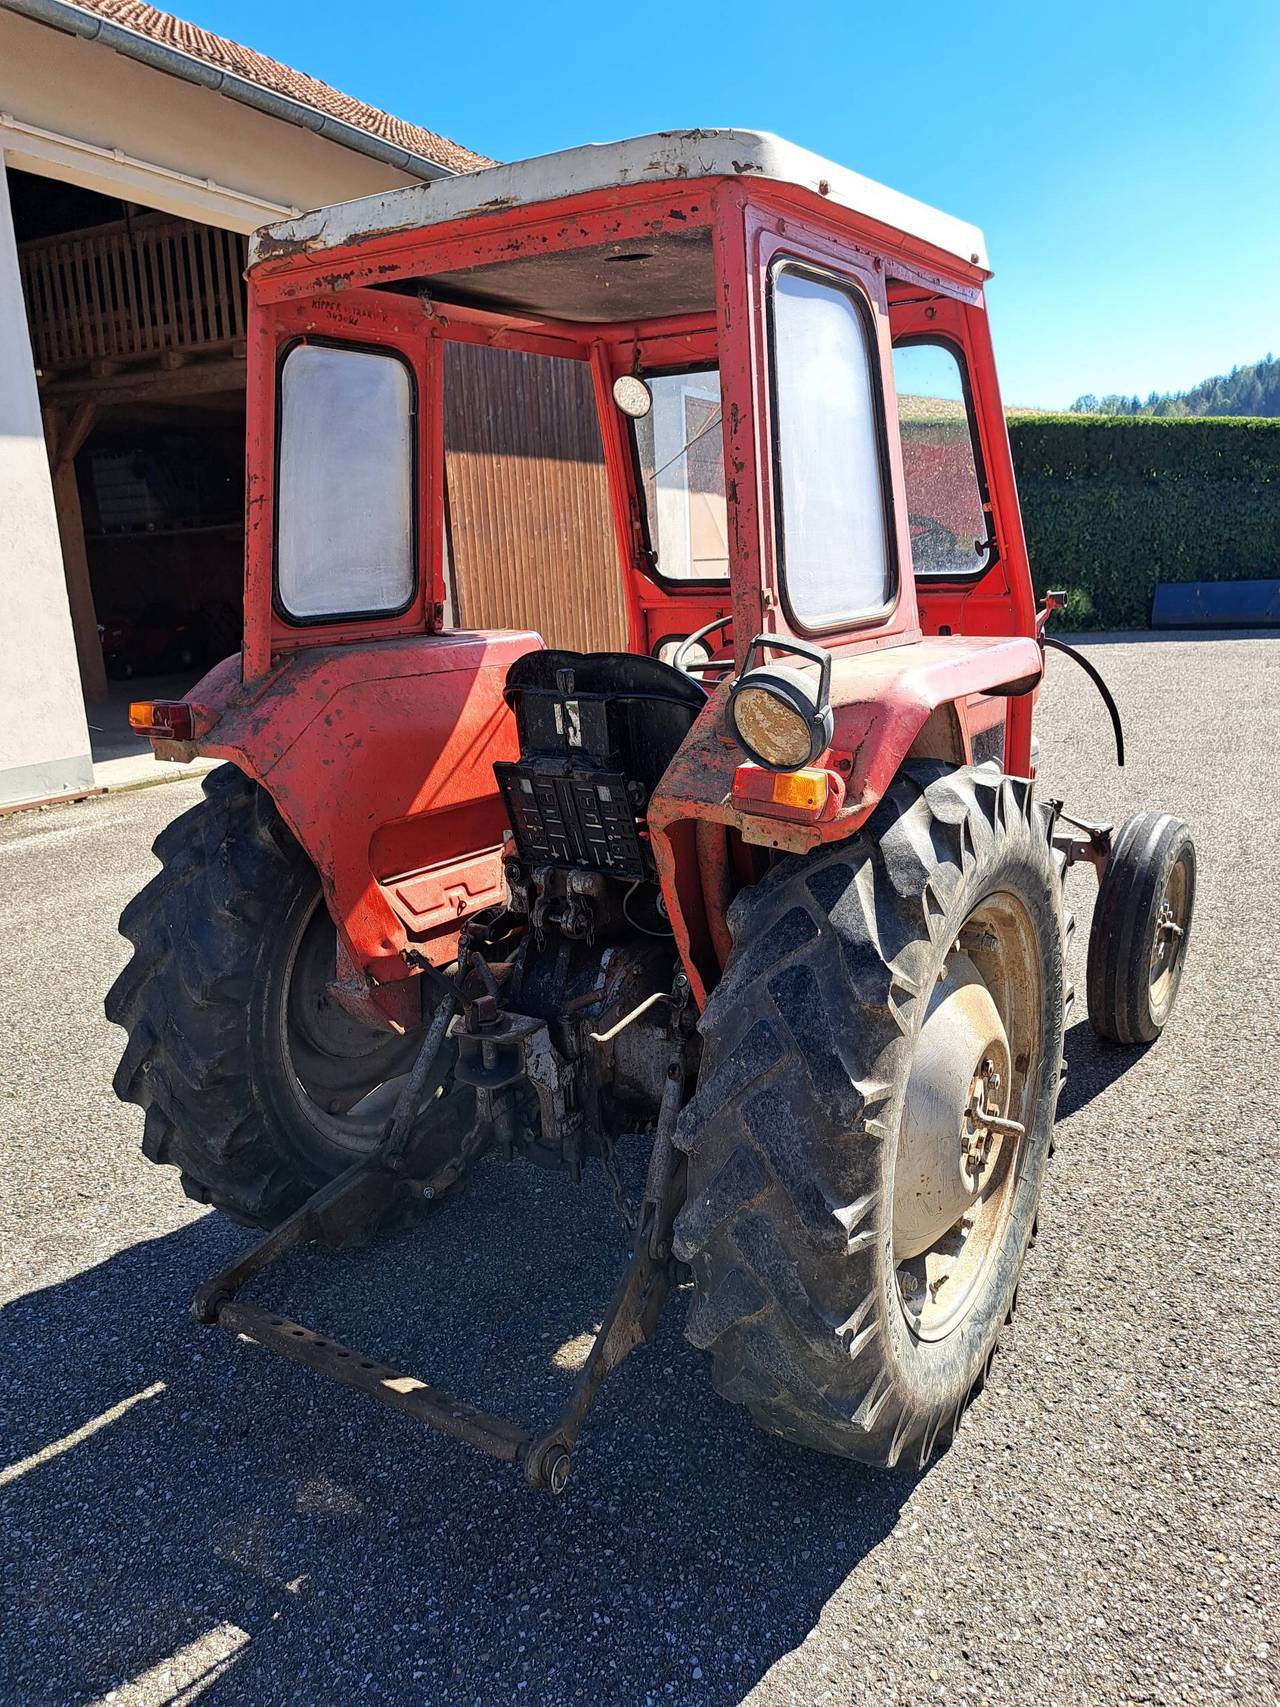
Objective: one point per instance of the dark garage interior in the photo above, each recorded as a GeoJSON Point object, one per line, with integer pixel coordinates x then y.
{"type": "Point", "coordinates": [137, 327]}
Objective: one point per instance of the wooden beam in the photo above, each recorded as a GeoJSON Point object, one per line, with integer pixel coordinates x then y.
{"type": "Point", "coordinates": [146, 387]}
{"type": "Point", "coordinates": [75, 560]}
{"type": "Point", "coordinates": [76, 432]}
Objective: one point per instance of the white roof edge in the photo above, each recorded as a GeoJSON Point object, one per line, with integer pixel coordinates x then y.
{"type": "Point", "coordinates": [664, 156]}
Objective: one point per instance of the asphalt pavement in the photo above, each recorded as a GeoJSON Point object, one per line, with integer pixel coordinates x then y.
{"type": "Point", "coordinates": [182, 1517]}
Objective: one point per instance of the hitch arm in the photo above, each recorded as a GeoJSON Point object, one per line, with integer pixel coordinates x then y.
{"type": "Point", "coordinates": [359, 1196]}
{"type": "Point", "coordinates": [425, 1404]}
{"type": "Point", "coordinates": [633, 1315]}
{"type": "Point", "coordinates": [644, 1288]}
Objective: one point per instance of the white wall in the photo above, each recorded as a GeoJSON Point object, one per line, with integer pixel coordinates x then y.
{"type": "Point", "coordinates": [44, 740]}
{"type": "Point", "coordinates": [75, 110]}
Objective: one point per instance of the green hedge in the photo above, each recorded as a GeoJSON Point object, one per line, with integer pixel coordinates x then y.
{"type": "Point", "coordinates": [1113, 504]}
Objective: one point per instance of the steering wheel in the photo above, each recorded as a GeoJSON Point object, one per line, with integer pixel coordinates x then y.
{"type": "Point", "coordinates": [937, 539]}
{"type": "Point", "coordinates": [680, 659]}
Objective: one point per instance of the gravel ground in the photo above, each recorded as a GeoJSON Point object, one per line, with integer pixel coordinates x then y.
{"type": "Point", "coordinates": [182, 1515]}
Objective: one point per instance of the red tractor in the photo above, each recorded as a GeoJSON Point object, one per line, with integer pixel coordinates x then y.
{"type": "Point", "coordinates": [772, 883]}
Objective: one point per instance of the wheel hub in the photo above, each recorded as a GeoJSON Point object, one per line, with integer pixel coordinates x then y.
{"type": "Point", "coordinates": [345, 1075]}
{"type": "Point", "coordinates": [954, 1114]}
{"type": "Point", "coordinates": [984, 1119]}
{"type": "Point", "coordinates": [1168, 937]}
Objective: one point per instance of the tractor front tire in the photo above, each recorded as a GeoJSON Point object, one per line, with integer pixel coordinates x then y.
{"type": "Point", "coordinates": [843, 1296]}
{"type": "Point", "coordinates": [255, 1083]}
{"type": "Point", "coordinates": [1141, 928]}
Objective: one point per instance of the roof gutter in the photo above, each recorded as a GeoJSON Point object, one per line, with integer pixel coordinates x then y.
{"type": "Point", "coordinates": [89, 27]}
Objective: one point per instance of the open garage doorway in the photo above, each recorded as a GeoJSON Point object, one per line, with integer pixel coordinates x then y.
{"type": "Point", "coordinates": [136, 321]}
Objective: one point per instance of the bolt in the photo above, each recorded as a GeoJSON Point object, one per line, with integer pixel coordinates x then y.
{"type": "Point", "coordinates": [557, 1470]}
{"type": "Point", "coordinates": [907, 1282]}
{"type": "Point", "coordinates": [428, 1191]}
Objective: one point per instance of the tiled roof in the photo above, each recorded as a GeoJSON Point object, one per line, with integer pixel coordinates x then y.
{"type": "Point", "coordinates": [281, 79]}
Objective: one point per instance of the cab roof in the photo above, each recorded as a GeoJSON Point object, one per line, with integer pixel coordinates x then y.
{"type": "Point", "coordinates": [663, 156]}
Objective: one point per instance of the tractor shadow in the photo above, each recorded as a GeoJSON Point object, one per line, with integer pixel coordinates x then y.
{"type": "Point", "coordinates": [1093, 1066]}
{"type": "Point", "coordinates": [287, 1540]}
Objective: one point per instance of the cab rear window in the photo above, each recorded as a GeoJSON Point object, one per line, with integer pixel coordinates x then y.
{"type": "Point", "coordinates": [345, 535]}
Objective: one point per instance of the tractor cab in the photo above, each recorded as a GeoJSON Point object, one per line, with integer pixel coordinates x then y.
{"type": "Point", "coordinates": [678, 396]}
{"type": "Point", "coordinates": [633, 735]}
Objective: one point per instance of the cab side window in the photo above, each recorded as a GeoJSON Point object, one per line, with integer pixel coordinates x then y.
{"type": "Point", "coordinates": [950, 523]}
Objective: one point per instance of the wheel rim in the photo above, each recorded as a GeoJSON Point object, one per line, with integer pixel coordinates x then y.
{"type": "Point", "coordinates": [1169, 941]}
{"type": "Point", "coordinates": [344, 1076]}
{"type": "Point", "coordinates": [962, 1141]}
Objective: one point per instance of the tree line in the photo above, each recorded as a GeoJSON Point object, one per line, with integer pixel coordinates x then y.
{"type": "Point", "coordinates": [1253, 390]}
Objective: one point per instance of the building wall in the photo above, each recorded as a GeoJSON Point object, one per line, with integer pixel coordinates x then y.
{"type": "Point", "coordinates": [76, 111]}
{"type": "Point", "coordinates": [44, 739]}
{"type": "Point", "coordinates": [67, 106]}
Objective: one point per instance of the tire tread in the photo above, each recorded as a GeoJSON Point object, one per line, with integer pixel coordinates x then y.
{"type": "Point", "coordinates": [798, 1106]}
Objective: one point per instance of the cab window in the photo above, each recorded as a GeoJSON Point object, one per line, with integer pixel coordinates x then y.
{"type": "Point", "coordinates": [345, 500]}
{"type": "Point", "coordinates": [950, 524]}
{"type": "Point", "coordinates": [679, 450]}
{"type": "Point", "coordinates": [830, 485]}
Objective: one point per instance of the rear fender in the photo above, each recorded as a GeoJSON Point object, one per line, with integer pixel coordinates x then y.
{"type": "Point", "coordinates": [887, 704]}
{"type": "Point", "coordinates": [380, 760]}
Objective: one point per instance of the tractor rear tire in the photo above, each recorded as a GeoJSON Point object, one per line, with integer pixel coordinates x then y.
{"type": "Point", "coordinates": [1141, 928]}
{"type": "Point", "coordinates": [815, 1316]}
{"type": "Point", "coordinates": [248, 1072]}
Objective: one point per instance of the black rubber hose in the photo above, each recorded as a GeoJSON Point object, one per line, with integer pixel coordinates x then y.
{"type": "Point", "coordinates": [1096, 679]}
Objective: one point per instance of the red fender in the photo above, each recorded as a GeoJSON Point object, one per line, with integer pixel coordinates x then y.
{"type": "Point", "coordinates": [380, 760]}
{"type": "Point", "coordinates": [882, 701]}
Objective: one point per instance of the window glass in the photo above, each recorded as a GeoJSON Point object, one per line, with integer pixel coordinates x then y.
{"type": "Point", "coordinates": [344, 543]}
{"type": "Point", "coordinates": [680, 450]}
{"type": "Point", "coordinates": [949, 532]}
{"type": "Point", "coordinates": [835, 548]}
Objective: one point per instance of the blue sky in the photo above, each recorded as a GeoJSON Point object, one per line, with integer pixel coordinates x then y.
{"type": "Point", "coordinates": [1122, 158]}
